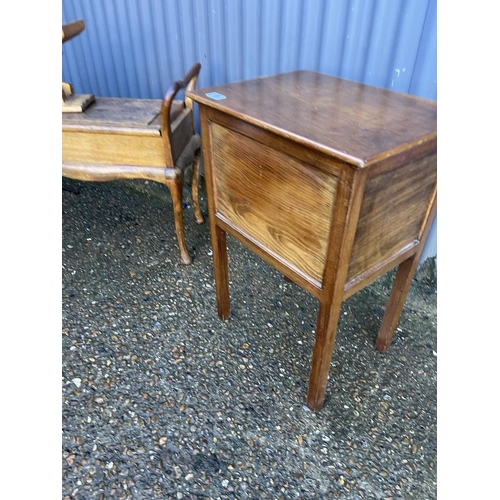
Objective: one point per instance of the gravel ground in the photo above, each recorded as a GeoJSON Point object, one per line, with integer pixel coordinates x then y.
{"type": "Point", "coordinates": [161, 399]}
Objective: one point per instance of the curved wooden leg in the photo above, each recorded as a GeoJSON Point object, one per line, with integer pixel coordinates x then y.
{"type": "Point", "coordinates": [195, 182]}
{"type": "Point", "coordinates": [175, 185]}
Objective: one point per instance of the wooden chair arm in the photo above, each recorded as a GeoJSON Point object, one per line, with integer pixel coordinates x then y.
{"type": "Point", "coordinates": [188, 83]}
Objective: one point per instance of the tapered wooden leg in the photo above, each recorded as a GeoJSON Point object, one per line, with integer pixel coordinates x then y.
{"type": "Point", "coordinates": [346, 213]}
{"type": "Point", "coordinates": [195, 182]}
{"type": "Point", "coordinates": [400, 288]}
{"type": "Point", "coordinates": [221, 272]}
{"type": "Point", "coordinates": [326, 329]}
{"type": "Point", "coordinates": [175, 187]}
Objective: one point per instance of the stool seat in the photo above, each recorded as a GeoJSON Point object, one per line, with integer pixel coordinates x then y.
{"type": "Point", "coordinates": [126, 138]}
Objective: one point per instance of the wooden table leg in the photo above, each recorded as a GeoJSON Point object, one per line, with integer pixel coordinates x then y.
{"type": "Point", "coordinates": [326, 329]}
{"type": "Point", "coordinates": [336, 274]}
{"type": "Point", "coordinates": [404, 275]}
{"type": "Point", "coordinates": [400, 288]}
{"type": "Point", "coordinates": [221, 272]}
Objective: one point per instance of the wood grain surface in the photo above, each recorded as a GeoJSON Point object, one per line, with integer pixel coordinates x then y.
{"type": "Point", "coordinates": [354, 122]}
{"type": "Point", "coordinates": [124, 132]}
{"type": "Point", "coordinates": [120, 112]}
{"type": "Point", "coordinates": [120, 149]}
{"type": "Point", "coordinates": [392, 214]}
{"type": "Point", "coordinates": [283, 203]}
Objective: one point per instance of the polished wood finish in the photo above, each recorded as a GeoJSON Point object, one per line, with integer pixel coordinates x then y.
{"type": "Point", "coordinates": [262, 195]}
{"type": "Point", "coordinates": [154, 139]}
{"type": "Point", "coordinates": [392, 213]}
{"type": "Point", "coordinates": [330, 181]}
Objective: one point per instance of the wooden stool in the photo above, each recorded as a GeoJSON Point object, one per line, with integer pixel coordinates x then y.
{"type": "Point", "coordinates": [154, 139]}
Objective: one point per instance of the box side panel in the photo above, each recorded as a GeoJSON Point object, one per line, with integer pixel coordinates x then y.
{"type": "Point", "coordinates": [279, 201]}
{"type": "Point", "coordinates": [392, 215]}
{"type": "Point", "coordinates": [182, 131]}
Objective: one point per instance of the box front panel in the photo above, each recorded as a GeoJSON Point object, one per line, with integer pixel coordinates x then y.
{"type": "Point", "coordinates": [112, 149]}
{"type": "Point", "coordinates": [284, 204]}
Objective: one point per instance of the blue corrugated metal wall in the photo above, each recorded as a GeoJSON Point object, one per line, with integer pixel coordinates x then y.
{"type": "Point", "coordinates": [136, 48]}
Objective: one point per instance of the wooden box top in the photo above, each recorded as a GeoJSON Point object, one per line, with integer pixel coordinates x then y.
{"type": "Point", "coordinates": [356, 123]}
{"type": "Point", "coordinates": [108, 114]}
